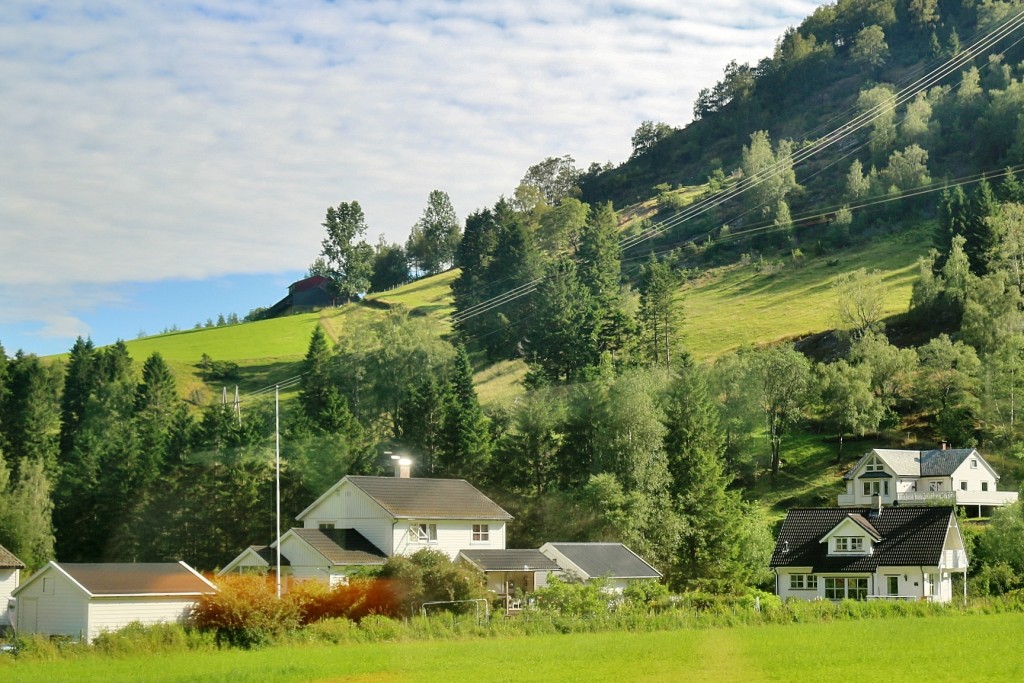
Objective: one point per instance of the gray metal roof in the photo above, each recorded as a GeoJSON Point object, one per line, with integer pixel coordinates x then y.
{"type": "Point", "coordinates": [342, 546]}
{"type": "Point", "coordinates": [417, 498]}
{"type": "Point", "coordinates": [933, 463]}
{"type": "Point", "coordinates": [939, 463]}
{"type": "Point", "coordinates": [492, 560]}
{"type": "Point", "coordinates": [613, 560]}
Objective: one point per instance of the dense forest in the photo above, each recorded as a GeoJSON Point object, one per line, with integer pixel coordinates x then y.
{"type": "Point", "coordinates": [871, 117]}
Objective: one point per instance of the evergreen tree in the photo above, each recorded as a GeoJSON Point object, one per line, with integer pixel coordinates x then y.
{"type": "Point", "coordinates": [32, 412]}
{"type": "Point", "coordinates": [317, 383]}
{"type": "Point", "coordinates": [562, 343]}
{"type": "Point", "coordinates": [420, 422]}
{"type": "Point", "coordinates": [473, 257]}
{"type": "Point", "coordinates": [694, 430]}
{"type": "Point", "coordinates": [659, 312]}
{"type": "Point", "coordinates": [980, 238]}
{"type": "Point", "coordinates": [466, 438]}
{"type": "Point", "coordinates": [515, 263]}
{"type": "Point", "coordinates": [80, 380]}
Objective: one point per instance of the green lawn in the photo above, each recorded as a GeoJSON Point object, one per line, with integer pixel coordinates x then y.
{"type": "Point", "coordinates": [738, 305]}
{"type": "Point", "coordinates": [935, 649]}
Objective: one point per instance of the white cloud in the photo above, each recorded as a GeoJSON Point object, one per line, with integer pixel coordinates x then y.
{"type": "Point", "coordinates": [147, 141]}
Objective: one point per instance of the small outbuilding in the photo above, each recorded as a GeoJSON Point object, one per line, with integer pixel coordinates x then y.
{"type": "Point", "coordinates": [10, 574]}
{"type": "Point", "coordinates": [612, 561]}
{"type": "Point", "coordinates": [511, 574]}
{"type": "Point", "coordinates": [84, 600]}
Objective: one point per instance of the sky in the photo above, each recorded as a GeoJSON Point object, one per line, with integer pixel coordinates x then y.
{"type": "Point", "coordinates": [162, 162]}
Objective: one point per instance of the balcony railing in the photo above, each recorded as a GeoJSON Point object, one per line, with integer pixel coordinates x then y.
{"type": "Point", "coordinates": [958, 497]}
{"type": "Point", "coordinates": [926, 497]}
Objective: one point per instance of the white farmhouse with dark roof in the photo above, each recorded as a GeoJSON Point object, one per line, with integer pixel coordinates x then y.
{"type": "Point", "coordinates": [361, 521]}
{"type": "Point", "coordinates": [956, 476]}
{"type": "Point", "coordinates": [907, 553]}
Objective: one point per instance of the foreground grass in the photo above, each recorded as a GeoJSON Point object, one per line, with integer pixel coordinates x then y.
{"type": "Point", "coordinates": [934, 648]}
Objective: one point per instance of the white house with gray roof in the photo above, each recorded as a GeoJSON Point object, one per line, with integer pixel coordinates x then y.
{"type": "Point", "coordinates": [363, 520]}
{"type": "Point", "coordinates": [956, 476]}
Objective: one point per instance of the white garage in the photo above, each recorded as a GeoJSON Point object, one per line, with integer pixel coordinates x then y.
{"type": "Point", "coordinates": [83, 600]}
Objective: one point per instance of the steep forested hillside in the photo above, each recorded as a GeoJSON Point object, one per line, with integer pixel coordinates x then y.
{"type": "Point", "coordinates": [628, 327]}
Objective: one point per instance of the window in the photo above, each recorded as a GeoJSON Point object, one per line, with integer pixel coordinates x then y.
{"type": "Point", "coordinates": [874, 466]}
{"type": "Point", "coordinates": [892, 584]}
{"type": "Point", "coordinates": [963, 486]}
{"type": "Point", "coordinates": [874, 488]}
{"type": "Point", "coordinates": [984, 486]}
{"type": "Point", "coordinates": [935, 486]}
{"type": "Point", "coordinates": [974, 463]}
{"type": "Point", "coordinates": [326, 525]}
{"type": "Point", "coordinates": [840, 588]}
{"type": "Point", "coordinates": [803, 582]}
{"type": "Point", "coordinates": [849, 544]}
{"type": "Point", "coordinates": [885, 487]}
{"type": "Point", "coordinates": [423, 533]}
{"type": "Point", "coordinates": [481, 532]}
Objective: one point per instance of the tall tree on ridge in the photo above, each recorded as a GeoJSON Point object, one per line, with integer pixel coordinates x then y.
{"type": "Point", "coordinates": [349, 262]}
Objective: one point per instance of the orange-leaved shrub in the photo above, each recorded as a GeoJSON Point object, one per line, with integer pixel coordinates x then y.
{"type": "Point", "coordinates": [245, 611]}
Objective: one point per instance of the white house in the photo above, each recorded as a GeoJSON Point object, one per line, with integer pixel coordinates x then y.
{"type": "Point", "coordinates": [83, 600]}
{"type": "Point", "coordinates": [905, 553]}
{"type": "Point", "coordinates": [613, 561]}
{"type": "Point", "coordinates": [10, 575]}
{"type": "Point", "coordinates": [364, 520]}
{"type": "Point", "coordinates": [959, 476]}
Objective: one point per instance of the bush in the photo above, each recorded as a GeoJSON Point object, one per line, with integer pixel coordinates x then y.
{"type": "Point", "coordinates": [245, 612]}
{"type": "Point", "coordinates": [575, 599]}
{"type": "Point", "coordinates": [136, 638]}
{"type": "Point", "coordinates": [648, 593]}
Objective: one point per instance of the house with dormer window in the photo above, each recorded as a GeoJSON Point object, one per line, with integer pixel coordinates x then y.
{"type": "Point", "coordinates": [953, 476]}
{"type": "Point", "coordinates": [895, 553]}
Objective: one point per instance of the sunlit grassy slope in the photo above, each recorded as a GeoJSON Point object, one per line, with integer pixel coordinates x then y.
{"type": "Point", "coordinates": [724, 309]}
{"type": "Point", "coordinates": [738, 305]}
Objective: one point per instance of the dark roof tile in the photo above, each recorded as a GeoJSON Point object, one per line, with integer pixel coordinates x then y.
{"type": "Point", "coordinates": [142, 578]}
{"type": "Point", "coordinates": [910, 536]}
{"type": "Point", "coordinates": [342, 546]}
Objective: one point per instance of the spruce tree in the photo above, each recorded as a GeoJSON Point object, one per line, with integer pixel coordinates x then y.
{"type": "Point", "coordinates": [466, 438]}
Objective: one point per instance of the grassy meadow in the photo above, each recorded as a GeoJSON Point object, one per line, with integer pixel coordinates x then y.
{"type": "Point", "coordinates": [937, 649]}
{"type": "Point", "coordinates": [736, 305]}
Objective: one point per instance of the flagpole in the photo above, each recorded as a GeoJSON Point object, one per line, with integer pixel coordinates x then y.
{"type": "Point", "coordinates": [277, 478]}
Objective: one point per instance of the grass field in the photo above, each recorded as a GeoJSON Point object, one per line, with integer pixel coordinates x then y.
{"type": "Point", "coordinates": [935, 649]}
{"type": "Point", "coordinates": [738, 305]}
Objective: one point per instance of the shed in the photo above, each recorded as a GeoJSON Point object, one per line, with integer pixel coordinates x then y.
{"type": "Point", "coordinates": [613, 561]}
{"type": "Point", "coordinates": [84, 600]}
{"type": "Point", "coordinates": [511, 572]}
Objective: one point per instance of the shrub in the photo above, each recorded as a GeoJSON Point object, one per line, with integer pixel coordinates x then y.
{"type": "Point", "coordinates": [136, 638]}
{"type": "Point", "coordinates": [376, 628]}
{"type": "Point", "coordinates": [573, 598]}
{"type": "Point", "coordinates": [245, 612]}
{"type": "Point", "coordinates": [649, 593]}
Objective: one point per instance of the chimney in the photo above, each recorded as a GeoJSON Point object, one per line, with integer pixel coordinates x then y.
{"type": "Point", "coordinates": [403, 467]}
{"type": "Point", "coordinates": [945, 445]}
{"type": "Point", "coordinates": [876, 504]}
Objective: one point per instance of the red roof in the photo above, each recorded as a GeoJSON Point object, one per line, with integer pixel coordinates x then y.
{"type": "Point", "coordinates": [308, 283]}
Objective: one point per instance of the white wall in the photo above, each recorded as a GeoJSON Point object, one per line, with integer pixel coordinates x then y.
{"type": "Point", "coordinates": [8, 582]}
{"type": "Point", "coordinates": [54, 603]}
{"type": "Point", "coordinates": [111, 614]}
{"type": "Point", "coordinates": [912, 583]}
{"type": "Point", "coordinates": [452, 536]}
{"type": "Point", "coordinates": [349, 508]}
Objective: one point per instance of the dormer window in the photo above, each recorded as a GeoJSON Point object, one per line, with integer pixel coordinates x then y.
{"type": "Point", "coordinates": [849, 544]}
{"type": "Point", "coordinates": [874, 465]}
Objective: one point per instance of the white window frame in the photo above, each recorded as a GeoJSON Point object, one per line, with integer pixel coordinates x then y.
{"type": "Point", "coordinates": [803, 582]}
{"type": "Point", "coordinates": [423, 533]}
{"type": "Point", "coordinates": [481, 533]}
{"type": "Point", "coordinates": [874, 465]}
{"type": "Point", "coordinates": [846, 587]}
{"type": "Point", "coordinates": [849, 544]}
{"type": "Point", "coordinates": [974, 463]}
